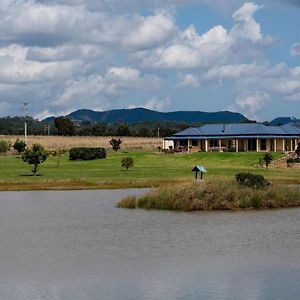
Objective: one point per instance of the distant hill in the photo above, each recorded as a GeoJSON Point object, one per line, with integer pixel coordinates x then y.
{"type": "Point", "coordinates": [284, 120]}
{"type": "Point", "coordinates": [137, 115]}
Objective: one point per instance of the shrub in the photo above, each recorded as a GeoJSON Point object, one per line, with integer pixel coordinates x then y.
{"type": "Point", "coordinates": [293, 160]}
{"type": "Point", "coordinates": [35, 156]}
{"type": "Point", "coordinates": [267, 159]}
{"type": "Point", "coordinates": [128, 202]}
{"type": "Point", "coordinates": [86, 153]}
{"type": "Point", "coordinates": [19, 146]}
{"type": "Point", "coordinates": [4, 146]}
{"type": "Point", "coordinates": [251, 180]}
{"type": "Point", "coordinates": [127, 162]}
{"type": "Point", "coordinates": [116, 144]}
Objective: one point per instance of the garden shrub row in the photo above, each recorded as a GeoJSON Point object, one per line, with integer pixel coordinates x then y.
{"type": "Point", "coordinates": [85, 153]}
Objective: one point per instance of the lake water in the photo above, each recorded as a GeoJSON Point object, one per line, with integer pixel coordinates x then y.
{"type": "Point", "coordinates": [76, 245]}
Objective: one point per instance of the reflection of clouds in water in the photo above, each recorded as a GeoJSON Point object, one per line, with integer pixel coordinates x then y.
{"type": "Point", "coordinates": [77, 245]}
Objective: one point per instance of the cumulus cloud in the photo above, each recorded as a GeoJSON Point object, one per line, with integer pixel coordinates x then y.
{"type": "Point", "coordinates": [256, 84]}
{"type": "Point", "coordinates": [188, 80]}
{"type": "Point", "coordinates": [63, 55]}
{"type": "Point", "coordinates": [155, 104]}
{"type": "Point", "coordinates": [250, 104]}
{"type": "Point", "coordinates": [217, 46]}
{"type": "Point", "coordinates": [95, 90]}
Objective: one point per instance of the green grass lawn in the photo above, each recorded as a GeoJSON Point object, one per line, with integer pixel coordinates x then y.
{"type": "Point", "coordinates": [151, 169]}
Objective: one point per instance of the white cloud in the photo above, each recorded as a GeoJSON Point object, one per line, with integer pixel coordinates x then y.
{"type": "Point", "coordinates": [152, 31]}
{"type": "Point", "coordinates": [155, 104]}
{"type": "Point", "coordinates": [189, 80]}
{"type": "Point", "coordinates": [250, 104]}
{"type": "Point", "coordinates": [97, 92]}
{"type": "Point", "coordinates": [245, 26]}
{"type": "Point", "coordinates": [295, 49]}
{"type": "Point", "coordinates": [15, 68]}
{"type": "Point", "coordinates": [217, 46]}
{"type": "Point", "coordinates": [62, 54]}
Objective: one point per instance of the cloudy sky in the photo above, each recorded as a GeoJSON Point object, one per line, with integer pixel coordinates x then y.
{"type": "Point", "coordinates": [167, 55]}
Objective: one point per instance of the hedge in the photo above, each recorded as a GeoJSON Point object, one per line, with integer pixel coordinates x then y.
{"type": "Point", "coordinates": [85, 153]}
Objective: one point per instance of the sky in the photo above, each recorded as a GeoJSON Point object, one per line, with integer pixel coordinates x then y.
{"type": "Point", "coordinates": [165, 55]}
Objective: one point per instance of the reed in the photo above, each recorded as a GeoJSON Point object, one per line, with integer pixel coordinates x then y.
{"type": "Point", "coordinates": [215, 196]}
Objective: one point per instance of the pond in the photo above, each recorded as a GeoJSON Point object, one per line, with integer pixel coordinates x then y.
{"type": "Point", "coordinates": [77, 245]}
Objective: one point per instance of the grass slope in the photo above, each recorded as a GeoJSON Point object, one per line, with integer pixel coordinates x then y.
{"type": "Point", "coordinates": [150, 169]}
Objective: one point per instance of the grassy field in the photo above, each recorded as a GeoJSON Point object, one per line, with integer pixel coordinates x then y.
{"type": "Point", "coordinates": [151, 169]}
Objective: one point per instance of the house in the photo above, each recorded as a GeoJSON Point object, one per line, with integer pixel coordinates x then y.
{"type": "Point", "coordinates": [242, 137]}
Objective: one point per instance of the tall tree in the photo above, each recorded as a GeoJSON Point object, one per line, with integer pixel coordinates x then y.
{"type": "Point", "coordinates": [64, 126]}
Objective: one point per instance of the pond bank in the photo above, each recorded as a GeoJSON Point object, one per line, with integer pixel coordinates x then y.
{"type": "Point", "coordinates": [214, 196]}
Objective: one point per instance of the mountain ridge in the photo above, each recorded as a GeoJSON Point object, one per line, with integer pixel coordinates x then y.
{"type": "Point", "coordinates": [136, 115]}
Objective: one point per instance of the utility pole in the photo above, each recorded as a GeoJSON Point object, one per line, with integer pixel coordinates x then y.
{"type": "Point", "coordinates": [25, 124]}
{"type": "Point", "coordinates": [158, 132]}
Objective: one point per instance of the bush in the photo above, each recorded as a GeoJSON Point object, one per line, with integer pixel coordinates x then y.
{"type": "Point", "coordinates": [128, 202]}
{"type": "Point", "coordinates": [267, 159]}
{"type": "Point", "coordinates": [293, 160]}
{"type": "Point", "coordinates": [251, 180]}
{"type": "Point", "coordinates": [86, 153]}
{"type": "Point", "coordinates": [19, 146]}
{"type": "Point", "coordinates": [4, 146]}
{"type": "Point", "coordinates": [116, 144]}
{"type": "Point", "coordinates": [127, 162]}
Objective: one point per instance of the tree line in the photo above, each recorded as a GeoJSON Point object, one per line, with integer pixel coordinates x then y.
{"type": "Point", "coordinates": [67, 127]}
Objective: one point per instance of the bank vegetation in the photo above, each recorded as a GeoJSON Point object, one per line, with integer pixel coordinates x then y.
{"type": "Point", "coordinates": [215, 196]}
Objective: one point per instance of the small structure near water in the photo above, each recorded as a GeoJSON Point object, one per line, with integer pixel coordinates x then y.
{"type": "Point", "coordinates": [198, 169]}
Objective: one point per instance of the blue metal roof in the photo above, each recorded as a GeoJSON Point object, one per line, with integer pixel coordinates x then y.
{"type": "Point", "coordinates": [244, 130]}
{"type": "Point", "coordinates": [200, 169]}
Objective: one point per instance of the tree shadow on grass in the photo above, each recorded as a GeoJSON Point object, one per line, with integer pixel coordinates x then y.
{"type": "Point", "coordinates": [30, 175]}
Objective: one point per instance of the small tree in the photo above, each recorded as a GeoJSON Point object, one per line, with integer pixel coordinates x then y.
{"type": "Point", "coordinates": [267, 159]}
{"type": "Point", "coordinates": [116, 144]}
{"type": "Point", "coordinates": [58, 154]}
{"type": "Point", "coordinates": [127, 162]}
{"type": "Point", "coordinates": [35, 156]}
{"type": "Point", "coordinates": [4, 146]}
{"type": "Point", "coordinates": [19, 146]}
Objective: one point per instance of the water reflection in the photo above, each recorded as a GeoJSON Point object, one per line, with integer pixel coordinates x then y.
{"type": "Point", "coordinates": [77, 245]}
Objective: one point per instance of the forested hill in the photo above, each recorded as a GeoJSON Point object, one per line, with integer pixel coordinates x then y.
{"type": "Point", "coordinates": [138, 115]}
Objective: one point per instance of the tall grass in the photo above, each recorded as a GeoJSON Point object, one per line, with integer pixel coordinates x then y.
{"type": "Point", "coordinates": [67, 142]}
{"type": "Point", "coordinates": [215, 196]}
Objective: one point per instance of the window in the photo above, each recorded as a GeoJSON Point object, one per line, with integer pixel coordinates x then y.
{"type": "Point", "coordinates": [183, 143]}
{"type": "Point", "coordinates": [263, 144]}
{"type": "Point", "coordinates": [194, 143]}
{"type": "Point", "coordinates": [252, 145]}
{"type": "Point", "coordinates": [213, 143]}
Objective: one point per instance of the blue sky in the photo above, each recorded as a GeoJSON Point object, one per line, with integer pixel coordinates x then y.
{"type": "Point", "coordinates": [166, 55]}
